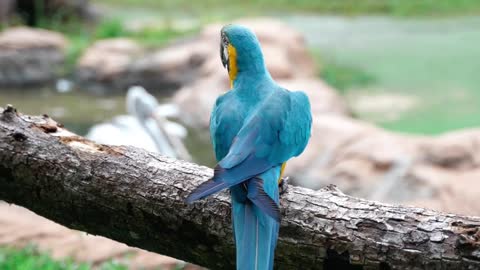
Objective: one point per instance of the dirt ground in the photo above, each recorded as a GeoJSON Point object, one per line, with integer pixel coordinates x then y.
{"type": "Point", "coordinates": [20, 227]}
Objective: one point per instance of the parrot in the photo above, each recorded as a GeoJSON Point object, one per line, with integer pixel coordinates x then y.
{"type": "Point", "coordinates": [255, 128]}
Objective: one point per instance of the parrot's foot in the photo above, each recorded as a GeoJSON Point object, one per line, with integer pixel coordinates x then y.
{"type": "Point", "coordinates": [283, 185]}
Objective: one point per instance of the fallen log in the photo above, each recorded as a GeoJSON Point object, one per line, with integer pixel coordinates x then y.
{"type": "Point", "coordinates": [137, 197]}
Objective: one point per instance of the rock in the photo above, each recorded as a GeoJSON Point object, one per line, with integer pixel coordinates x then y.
{"type": "Point", "coordinates": [105, 65]}
{"type": "Point", "coordinates": [30, 57]}
{"type": "Point", "coordinates": [323, 98]}
{"type": "Point", "coordinates": [113, 66]}
{"type": "Point", "coordinates": [363, 160]}
{"type": "Point", "coordinates": [168, 69]}
{"type": "Point", "coordinates": [197, 101]}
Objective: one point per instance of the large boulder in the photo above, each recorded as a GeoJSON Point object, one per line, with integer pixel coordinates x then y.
{"type": "Point", "coordinates": [104, 65]}
{"type": "Point", "coordinates": [438, 172]}
{"type": "Point", "coordinates": [30, 57]}
{"type": "Point", "coordinates": [114, 65]}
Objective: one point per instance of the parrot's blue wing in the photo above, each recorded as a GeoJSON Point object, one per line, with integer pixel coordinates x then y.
{"type": "Point", "coordinates": [278, 130]}
{"type": "Point", "coordinates": [243, 146]}
{"type": "Point", "coordinates": [206, 188]}
{"type": "Point", "coordinates": [287, 131]}
{"type": "Point", "coordinates": [296, 130]}
{"type": "Point", "coordinates": [240, 164]}
{"type": "Point", "coordinates": [225, 178]}
{"type": "Point", "coordinates": [225, 122]}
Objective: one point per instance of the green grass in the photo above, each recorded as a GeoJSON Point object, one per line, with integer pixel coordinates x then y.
{"type": "Point", "coordinates": [30, 258]}
{"type": "Point", "coordinates": [346, 7]}
{"type": "Point", "coordinates": [342, 77]}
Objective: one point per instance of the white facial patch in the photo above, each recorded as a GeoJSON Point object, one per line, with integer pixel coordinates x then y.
{"type": "Point", "coordinates": [225, 53]}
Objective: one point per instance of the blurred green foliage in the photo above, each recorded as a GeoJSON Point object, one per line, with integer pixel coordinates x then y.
{"type": "Point", "coordinates": [346, 7]}
{"type": "Point", "coordinates": [343, 77]}
{"type": "Point", "coordinates": [148, 36]}
{"type": "Point", "coordinates": [30, 258]}
{"type": "Point", "coordinates": [77, 45]}
{"type": "Point", "coordinates": [110, 28]}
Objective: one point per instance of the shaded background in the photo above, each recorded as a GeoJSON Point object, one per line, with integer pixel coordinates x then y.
{"type": "Point", "coordinates": [394, 87]}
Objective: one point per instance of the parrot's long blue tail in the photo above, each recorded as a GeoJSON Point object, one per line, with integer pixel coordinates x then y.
{"type": "Point", "coordinates": [256, 232]}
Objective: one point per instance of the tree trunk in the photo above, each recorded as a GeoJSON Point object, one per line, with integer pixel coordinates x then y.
{"type": "Point", "coordinates": [137, 197]}
{"type": "Point", "coordinates": [38, 12]}
{"type": "Point", "coordinates": [6, 9]}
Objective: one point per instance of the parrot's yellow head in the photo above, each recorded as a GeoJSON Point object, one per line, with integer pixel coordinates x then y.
{"type": "Point", "coordinates": [240, 52]}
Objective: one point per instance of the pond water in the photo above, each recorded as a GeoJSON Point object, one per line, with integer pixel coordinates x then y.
{"type": "Point", "coordinates": [76, 110]}
{"type": "Point", "coordinates": [79, 111]}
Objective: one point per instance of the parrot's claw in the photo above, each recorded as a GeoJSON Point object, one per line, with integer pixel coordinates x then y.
{"type": "Point", "coordinates": [283, 185]}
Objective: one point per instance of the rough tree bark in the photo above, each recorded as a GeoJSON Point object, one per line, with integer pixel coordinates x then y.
{"type": "Point", "coordinates": [136, 197]}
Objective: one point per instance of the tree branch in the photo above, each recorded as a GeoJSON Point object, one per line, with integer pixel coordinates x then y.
{"type": "Point", "coordinates": [136, 197]}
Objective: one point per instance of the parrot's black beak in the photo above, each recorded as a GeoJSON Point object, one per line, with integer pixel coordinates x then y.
{"type": "Point", "coordinates": [224, 50]}
{"type": "Point", "coordinates": [224, 56]}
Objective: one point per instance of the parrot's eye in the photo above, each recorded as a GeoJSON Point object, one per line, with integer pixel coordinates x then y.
{"type": "Point", "coordinates": [224, 40]}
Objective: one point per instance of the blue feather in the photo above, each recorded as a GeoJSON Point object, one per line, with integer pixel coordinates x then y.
{"type": "Point", "coordinates": [257, 195]}
{"type": "Point", "coordinates": [206, 189]}
{"type": "Point", "coordinates": [256, 232]}
{"type": "Point", "coordinates": [225, 178]}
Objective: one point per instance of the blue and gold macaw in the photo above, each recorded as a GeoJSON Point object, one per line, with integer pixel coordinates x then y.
{"type": "Point", "coordinates": [255, 128]}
